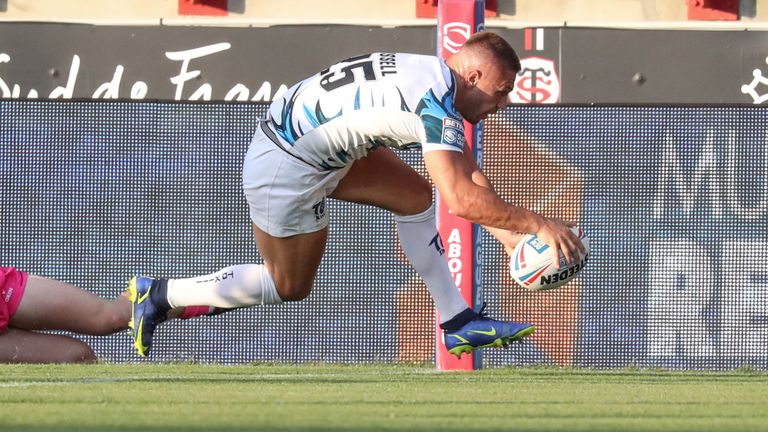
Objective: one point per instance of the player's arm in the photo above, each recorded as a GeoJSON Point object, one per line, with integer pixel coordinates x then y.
{"type": "Point", "coordinates": [469, 195]}
{"type": "Point", "coordinates": [506, 237]}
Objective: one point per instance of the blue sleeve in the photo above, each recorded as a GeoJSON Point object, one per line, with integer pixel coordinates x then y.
{"type": "Point", "coordinates": [443, 125]}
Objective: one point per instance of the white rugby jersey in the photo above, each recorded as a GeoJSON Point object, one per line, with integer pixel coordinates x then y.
{"type": "Point", "coordinates": [380, 99]}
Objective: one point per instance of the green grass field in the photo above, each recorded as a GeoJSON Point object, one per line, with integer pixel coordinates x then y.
{"type": "Point", "coordinates": [268, 397]}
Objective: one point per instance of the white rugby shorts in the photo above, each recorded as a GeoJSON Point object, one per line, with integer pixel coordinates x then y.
{"type": "Point", "coordinates": [286, 196]}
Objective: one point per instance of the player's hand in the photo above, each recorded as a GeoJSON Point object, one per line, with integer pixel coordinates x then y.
{"type": "Point", "coordinates": [559, 237]}
{"type": "Point", "coordinates": [508, 239]}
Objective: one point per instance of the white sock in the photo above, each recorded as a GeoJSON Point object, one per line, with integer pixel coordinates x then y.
{"type": "Point", "coordinates": [232, 287]}
{"type": "Point", "coordinates": [420, 242]}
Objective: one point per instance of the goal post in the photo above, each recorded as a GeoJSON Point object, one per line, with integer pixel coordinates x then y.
{"type": "Point", "coordinates": [457, 20]}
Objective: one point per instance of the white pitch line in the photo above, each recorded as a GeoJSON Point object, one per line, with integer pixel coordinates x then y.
{"type": "Point", "coordinates": [254, 377]}
{"type": "Point", "coordinates": [32, 383]}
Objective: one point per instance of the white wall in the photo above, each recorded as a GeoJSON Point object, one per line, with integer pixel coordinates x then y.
{"type": "Point", "coordinates": [365, 10]}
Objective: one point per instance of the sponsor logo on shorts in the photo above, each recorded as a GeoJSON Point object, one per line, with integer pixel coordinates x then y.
{"type": "Point", "coordinates": [319, 209]}
{"type": "Point", "coordinates": [8, 295]}
{"type": "Point", "coordinates": [453, 132]}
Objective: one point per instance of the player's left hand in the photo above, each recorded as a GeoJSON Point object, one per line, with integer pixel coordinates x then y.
{"type": "Point", "coordinates": [508, 239]}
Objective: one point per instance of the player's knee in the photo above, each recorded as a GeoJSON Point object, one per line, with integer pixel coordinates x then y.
{"type": "Point", "coordinates": [423, 191]}
{"type": "Point", "coordinates": [419, 198]}
{"type": "Point", "coordinates": [110, 320]}
{"type": "Point", "coordinates": [294, 295]}
{"type": "Point", "coordinates": [424, 188]}
{"type": "Point", "coordinates": [113, 322]}
{"type": "Point", "coordinates": [290, 291]}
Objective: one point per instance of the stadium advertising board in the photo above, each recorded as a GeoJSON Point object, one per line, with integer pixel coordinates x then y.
{"type": "Point", "coordinates": [560, 64]}
{"type": "Point", "coordinates": [673, 199]}
{"type": "Point", "coordinates": [43, 60]}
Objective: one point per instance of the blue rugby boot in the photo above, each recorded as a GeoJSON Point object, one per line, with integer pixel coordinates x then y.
{"type": "Point", "coordinates": [483, 332]}
{"type": "Point", "coordinates": [150, 308]}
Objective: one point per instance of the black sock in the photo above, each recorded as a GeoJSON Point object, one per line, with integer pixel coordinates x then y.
{"type": "Point", "coordinates": [159, 294]}
{"type": "Point", "coordinates": [459, 320]}
{"type": "Point", "coordinates": [219, 311]}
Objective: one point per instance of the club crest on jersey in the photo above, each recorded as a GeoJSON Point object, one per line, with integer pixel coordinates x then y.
{"type": "Point", "coordinates": [453, 132]}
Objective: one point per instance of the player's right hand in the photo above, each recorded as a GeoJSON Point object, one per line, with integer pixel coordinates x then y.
{"type": "Point", "coordinates": [557, 234]}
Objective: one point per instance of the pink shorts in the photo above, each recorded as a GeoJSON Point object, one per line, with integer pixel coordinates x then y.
{"type": "Point", "coordinates": [12, 285]}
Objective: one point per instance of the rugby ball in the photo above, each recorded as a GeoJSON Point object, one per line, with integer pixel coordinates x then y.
{"type": "Point", "coordinates": [532, 266]}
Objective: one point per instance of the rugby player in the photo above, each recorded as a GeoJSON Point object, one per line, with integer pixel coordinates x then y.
{"type": "Point", "coordinates": [332, 135]}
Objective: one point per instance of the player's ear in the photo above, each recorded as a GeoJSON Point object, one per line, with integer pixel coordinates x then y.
{"type": "Point", "coordinates": [473, 76]}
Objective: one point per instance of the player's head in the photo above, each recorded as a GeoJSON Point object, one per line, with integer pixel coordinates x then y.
{"type": "Point", "coordinates": [486, 67]}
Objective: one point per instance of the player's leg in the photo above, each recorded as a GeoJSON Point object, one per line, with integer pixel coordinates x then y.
{"type": "Point", "coordinates": [25, 302]}
{"type": "Point", "coordinates": [286, 200]}
{"type": "Point", "coordinates": [21, 346]}
{"type": "Point", "coordinates": [290, 265]}
{"type": "Point", "coordinates": [53, 305]}
{"type": "Point", "coordinates": [292, 261]}
{"type": "Point", "coordinates": [383, 180]}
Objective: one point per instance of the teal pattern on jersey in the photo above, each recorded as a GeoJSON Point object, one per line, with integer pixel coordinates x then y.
{"type": "Point", "coordinates": [284, 127]}
{"type": "Point", "coordinates": [321, 117]}
{"type": "Point", "coordinates": [311, 116]}
{"type": "Point", "coordinates": [433, 110]}
{"type": "Point", "coordinates": [357, 99]}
